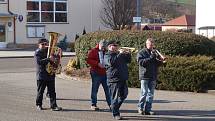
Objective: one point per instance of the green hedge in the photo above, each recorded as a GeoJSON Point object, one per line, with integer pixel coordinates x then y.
{"type": "Point", "coordinates": [196, 73]}
{"type": "Point", "coordinates": [193, 73]}
{"type": "Point", "coordinates": [169, 43]}
{"type": "Point", "coordinates": [180, 73]}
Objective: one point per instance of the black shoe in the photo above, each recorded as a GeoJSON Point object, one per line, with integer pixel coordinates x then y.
{"type": "Point", "coordinates": [149, 113]}
{"type": "Point", "coordinates": [110, 108]}
{"type": "Point", "coordinates": [56, 109]}
{"type": "Point", "coordinates": [39, 107]}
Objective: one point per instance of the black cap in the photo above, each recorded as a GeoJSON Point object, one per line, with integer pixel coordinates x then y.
{"type": "Point", "coordinates": [43, 40]}
{"type": "Point", "coordinates": [113, 42]}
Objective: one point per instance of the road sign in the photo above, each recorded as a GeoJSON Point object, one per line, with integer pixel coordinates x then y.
{"type": "Point", "coordinates": [137, 19]}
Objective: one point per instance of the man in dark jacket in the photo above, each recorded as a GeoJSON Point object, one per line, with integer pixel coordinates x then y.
{"type": "Point", "coordinates": [117, 74]}
{"type": "Point", "coordinates": [43, 78]}
{"type": "Point", "coordinates": [98, 74]}
{"type": "Point", "coordinates": [148, 60]}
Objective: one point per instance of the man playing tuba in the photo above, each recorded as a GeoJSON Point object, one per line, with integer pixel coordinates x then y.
{"type": "Point", "coordinates": [55, 52]}
{"type": "Point", "coordinates": [43, 77]}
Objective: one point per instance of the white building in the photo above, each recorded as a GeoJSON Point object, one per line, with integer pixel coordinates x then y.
{"type": "Point", "coordinates": [205, 18]}
{"type": "Point", "coordinates": [23, 22]}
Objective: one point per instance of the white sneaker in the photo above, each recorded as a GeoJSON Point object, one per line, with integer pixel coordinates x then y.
{"type": "Point", "coordinates": [140, 111]}
{"type": "Point", "coordinates": [95, 108]}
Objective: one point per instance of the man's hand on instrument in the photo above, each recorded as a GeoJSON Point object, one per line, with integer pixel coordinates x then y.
{"type": "Point", "coordinates": [52, 59]}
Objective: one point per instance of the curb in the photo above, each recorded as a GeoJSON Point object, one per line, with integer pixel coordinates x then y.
{"type": "Point", "coordinates": [212, 92]}
{"type": "Point", "coordinates": [65, 77]}
{"type": "Point", "coordinates": [4, 57]}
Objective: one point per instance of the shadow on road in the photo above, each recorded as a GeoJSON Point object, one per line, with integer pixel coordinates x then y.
{"type": "Point", "coordinates": [149, 118]}
{"type": "Point", "coordinates": [155, 101]}
{"type": "Point", "coordinates": [193, 113]}
{"type": "Point", "coordinates": [174, 115]}
{"type": "Point", "coordinates": [167, 115]}
{"type": "Point", "coordinates": [126, 101]}
{"type": "Point", "coordinates": [84, 110]}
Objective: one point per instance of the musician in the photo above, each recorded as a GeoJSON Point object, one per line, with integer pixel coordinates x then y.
{"type": "Point", "coordinates": [117, 74]}
{"type": "Point", "coordinates": [149, 62]}
{"type": "Point", "coordinates": [98, 74]}
{"type": "Point", "coordinates": [43, 78]}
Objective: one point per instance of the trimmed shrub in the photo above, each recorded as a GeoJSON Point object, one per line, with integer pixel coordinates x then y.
{"type": "Point", "coordinates": [168, 43]}
{"type": "Point", "coordinates": [194, 73]}
{"type": "Point", "coordinates": [180, 73]}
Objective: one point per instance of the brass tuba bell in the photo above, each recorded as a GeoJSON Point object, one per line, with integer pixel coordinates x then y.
{"type": "Point", "coordinates": [55, 53]}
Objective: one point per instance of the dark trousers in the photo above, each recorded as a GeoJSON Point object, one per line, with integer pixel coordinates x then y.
{"type": "Point", "coordinates": [97, 80]}
{"type": "Point", "coordinates": [41, 85]}
{"type": "Point", "coordinates": [118, 92]}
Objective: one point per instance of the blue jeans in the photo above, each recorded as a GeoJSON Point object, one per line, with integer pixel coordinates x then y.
{"type": "Point", "coordinates": [147, 94]}
{"type": "Point", "coordinates": [96, 81]}
{"type": "Point", "coordinates": [118, 92]}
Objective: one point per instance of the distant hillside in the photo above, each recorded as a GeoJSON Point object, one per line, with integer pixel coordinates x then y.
{"type": "Point", "coordinates": [168, 9]}
{"type": "Point", "coordinates": [189, 2]}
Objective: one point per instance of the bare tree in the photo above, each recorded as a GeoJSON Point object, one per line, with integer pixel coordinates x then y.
{"type": "Point", "coordinates": [117, 14]}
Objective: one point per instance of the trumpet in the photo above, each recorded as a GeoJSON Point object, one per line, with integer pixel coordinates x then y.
{"type": "Point", "coordinates": [128, 49]}
{"type": "Point", "coordinates": [159, 56]}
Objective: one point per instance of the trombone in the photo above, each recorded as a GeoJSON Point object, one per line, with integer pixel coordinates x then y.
{"type": "Point", "coordinates": [159, 56]}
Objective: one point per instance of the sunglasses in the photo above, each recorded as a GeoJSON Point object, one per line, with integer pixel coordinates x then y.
{"type": "Point", "coordinates": [43, 43]}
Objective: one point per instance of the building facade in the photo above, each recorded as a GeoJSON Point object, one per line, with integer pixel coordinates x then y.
{"type": "Point", "coordinates": [205, 19]}
{"type": "Point", "coordinates": [184, 23]}
{"type": "Point", "coordinates": [25, 21]}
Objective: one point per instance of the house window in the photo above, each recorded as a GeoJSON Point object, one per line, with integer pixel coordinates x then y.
{"type": "Point", "coordinates": [35, 31]}
{"type": "Point", "coordinates": [3, 1]}
{"type": "Point", "coordinates": [47, 11]}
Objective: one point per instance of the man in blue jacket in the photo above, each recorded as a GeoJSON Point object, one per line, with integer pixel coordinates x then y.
{"type": "Point", "coordinates": [43, 78]}
{"type": "Point", "coordinates": [148, 60]}
{"type": "Point", "coordinates": [117, 73]}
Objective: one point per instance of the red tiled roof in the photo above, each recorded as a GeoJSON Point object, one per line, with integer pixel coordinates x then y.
{"type": "Point", "coordinates": [185, 20]}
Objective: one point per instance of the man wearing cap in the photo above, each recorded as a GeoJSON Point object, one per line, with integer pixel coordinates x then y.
{"type": "Point", "coordinates": [117, 74]}
{"type": "Point", "coordinates": [98, 74]}
{"type": "Point", "coordinates": [43, 78]}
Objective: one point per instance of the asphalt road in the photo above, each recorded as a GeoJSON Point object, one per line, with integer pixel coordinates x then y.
{"type": "Point", "coordinates": [18, 91]}
{"type": "Point", "coordinates": [12, 64]}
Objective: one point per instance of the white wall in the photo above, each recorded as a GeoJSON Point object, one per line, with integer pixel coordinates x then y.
{"type": "Point", "coordinates": [81, 14]}
{"type": "Point", "coordinates": [205, 16]}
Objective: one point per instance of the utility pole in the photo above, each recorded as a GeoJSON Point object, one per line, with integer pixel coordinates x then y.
{"type": "Point", "coordinates": [138, 13]}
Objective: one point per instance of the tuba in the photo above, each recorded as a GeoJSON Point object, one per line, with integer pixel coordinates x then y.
{"type": "Point", "coordinates": [54, 67]}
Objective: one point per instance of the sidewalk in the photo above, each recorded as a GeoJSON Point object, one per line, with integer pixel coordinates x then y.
{"type": "Point", "coordinates": [26, 54]}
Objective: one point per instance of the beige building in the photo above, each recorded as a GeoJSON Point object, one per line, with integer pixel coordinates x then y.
{"type": "Point", "coordinates": [25, 21]}
{"type": "Point", "coordinates": [182, 23]}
